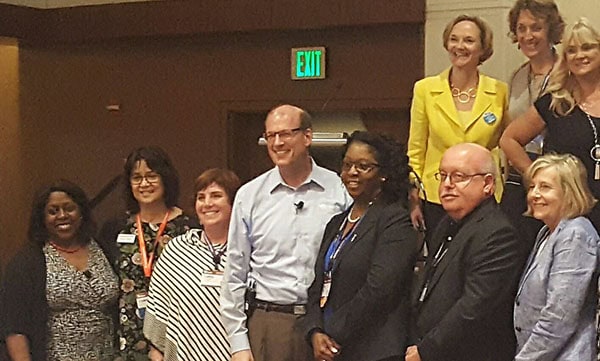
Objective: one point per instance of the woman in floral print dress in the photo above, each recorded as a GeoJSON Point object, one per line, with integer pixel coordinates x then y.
{"type": "Point", "coordinates": [151, 192]}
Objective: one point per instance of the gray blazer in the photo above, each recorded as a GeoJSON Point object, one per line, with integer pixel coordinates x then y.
{"type": "Point", "coordinates": [554, 311]}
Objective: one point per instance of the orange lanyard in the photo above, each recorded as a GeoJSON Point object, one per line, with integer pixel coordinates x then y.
{"type": "Point", "coordinates": [147, 260]}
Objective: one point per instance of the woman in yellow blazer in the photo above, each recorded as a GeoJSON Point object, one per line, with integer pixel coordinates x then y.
{"type": "Point", "coordinates": [459, 105]}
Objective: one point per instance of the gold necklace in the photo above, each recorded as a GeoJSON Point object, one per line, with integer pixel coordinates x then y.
{"type": "Point", "coordinates": [463, 96]}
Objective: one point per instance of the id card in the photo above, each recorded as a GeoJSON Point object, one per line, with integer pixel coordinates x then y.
{"type": "Point", "coordinates": [125, 238]}
{"type": "Point", "coordinates": [325, 290]}
{"type": "Point", "coordinates": [211, 279]}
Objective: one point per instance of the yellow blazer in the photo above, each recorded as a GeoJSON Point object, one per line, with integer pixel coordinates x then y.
{"type": "Point", "coordinates": [435, 125]}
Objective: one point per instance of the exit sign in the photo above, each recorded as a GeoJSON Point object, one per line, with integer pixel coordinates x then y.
{"type": "Point", "coordinates": [308, 63]}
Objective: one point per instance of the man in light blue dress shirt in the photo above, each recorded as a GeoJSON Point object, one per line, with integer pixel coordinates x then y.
{"type": "Point", "coordinates": [277, 224]}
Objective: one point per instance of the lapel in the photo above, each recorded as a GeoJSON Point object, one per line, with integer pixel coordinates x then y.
{"type": "Point", "coordinates": [363, 230]}
{"type": "Point", "coordinates": [533, 262]}
{"type": "Point", "coordinates": [440, 91]}
{"type": "Point", "coordinates": [486, 94]}
{"type": "Point", "coordinates": [459, 240]}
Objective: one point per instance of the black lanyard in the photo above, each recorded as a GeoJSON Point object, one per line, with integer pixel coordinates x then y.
{"type": "Point", "coordinates": [216, 256]}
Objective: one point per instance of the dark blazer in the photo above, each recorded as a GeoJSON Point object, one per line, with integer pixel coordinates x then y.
{"type": "Point", "coordinates": [467, 311]}
{"type": "Point", "coordinates": [24, 305]}
{"type": "Point", "coordinates": [371, 282]}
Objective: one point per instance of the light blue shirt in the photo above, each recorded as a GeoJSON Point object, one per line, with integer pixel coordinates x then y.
{"type": "Point", "coordinates": [275, 242]}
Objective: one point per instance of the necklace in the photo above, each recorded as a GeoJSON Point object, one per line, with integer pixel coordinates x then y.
{"type": "Point", "coordinates": [463, 96]}
{"type": "Point", "coordinates": [65, 250]}
{"type": "Point", "coordinates": [595, 150]}
{"type": "Point", "coordinates": [350, 219]}
{"type": "Point", "coordinates": [543, 85]}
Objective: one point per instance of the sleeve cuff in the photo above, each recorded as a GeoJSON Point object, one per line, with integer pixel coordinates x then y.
{"type": "Point", "coordinates": [239, 343]}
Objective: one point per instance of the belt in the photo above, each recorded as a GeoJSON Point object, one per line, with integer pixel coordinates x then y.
{"type": "Point", "coordinates": [273, 307]}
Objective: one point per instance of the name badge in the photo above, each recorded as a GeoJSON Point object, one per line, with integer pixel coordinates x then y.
{"type": "Point", "coordinates": [211, 279]}
{"type": "Point", "coordinates": [126, 238]}
{"type": "Point", "coordinates": [325, 290]}
{"type": "Point", "coordinates": [141, 301]}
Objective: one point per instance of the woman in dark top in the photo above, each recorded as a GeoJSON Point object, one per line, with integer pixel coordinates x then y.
{"type": "Point", "coordinates": [60, 290]}
{"type": "Point", "coordinates": [358, 303]}
{"type": "Point", "coordinates": [569, 112]}
{"type": "Point", "coordinates": [151, 193]}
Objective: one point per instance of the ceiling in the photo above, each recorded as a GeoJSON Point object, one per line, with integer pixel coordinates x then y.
{"type": "Point", "coordinates": [50, 4]}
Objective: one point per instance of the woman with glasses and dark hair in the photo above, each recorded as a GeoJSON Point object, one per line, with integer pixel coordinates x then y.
{"type": "Point", "coordinates": [152, 219]}
{"type": "Point", "coordinates": [60, 291]}
{"type": "Point", "coordinates": [358, 304]}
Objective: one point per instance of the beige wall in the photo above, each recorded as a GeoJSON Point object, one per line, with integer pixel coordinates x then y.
{"type": "Point", "coordinates": [506, 57]}
{"type": "Point", "coordinates": [11, 170]}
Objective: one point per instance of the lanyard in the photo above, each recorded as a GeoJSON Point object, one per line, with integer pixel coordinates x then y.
{"type": "Point", "coordinates": [338, 243]}
{"type": "Point", "coordinates": [147, 260]}
{"type": "Point", "coordinates": [216, 255]}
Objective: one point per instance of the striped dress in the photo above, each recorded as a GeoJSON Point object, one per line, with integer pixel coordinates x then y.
{"type": "Point", "coordinates": [182, 317]}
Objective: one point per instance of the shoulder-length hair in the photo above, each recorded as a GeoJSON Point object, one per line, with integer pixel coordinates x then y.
{"type": "Point", "coordinates": [572, 175]}
{"type": "Point", "coordinates": [541, 9]}
{"type": "Point", "coordinates": [392, 160]}
{"type": "Point", "coordinates": [38, 233]}
{"type": "Point", "coordinates": [487, 35]}
{"type": "Point", "coordinates": [157, 160]}
{"type": "Point", "coordinates": [562, 85]}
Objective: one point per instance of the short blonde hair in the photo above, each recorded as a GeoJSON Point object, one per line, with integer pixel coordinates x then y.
{"type": "Point", "coordinates": [572, 175]}
{"type": "Point", "coordinates": [487, 35]}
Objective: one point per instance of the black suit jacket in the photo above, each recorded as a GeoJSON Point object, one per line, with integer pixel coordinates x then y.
{"type": "Point", "coordinates": [467, 311]}
{"type": "Point", "coordinates": [371, 282]}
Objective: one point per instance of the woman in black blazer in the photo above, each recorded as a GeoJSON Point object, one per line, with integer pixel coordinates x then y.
{"type": "Point", "coordinates": [359, 301]}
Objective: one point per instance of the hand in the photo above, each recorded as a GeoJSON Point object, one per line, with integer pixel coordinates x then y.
{"type": "Point", "coordinates": [155, 355]}
{"type": "Point", "coordinates": [324, 347]}
{"type": "Point", "coordinates": [244, 355]}
{"type": "Point", "coordinates": [416, 217]}
{"type": "Point", "coordinates": [412, 354]}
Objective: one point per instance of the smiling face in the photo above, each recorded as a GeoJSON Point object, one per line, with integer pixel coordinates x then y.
{"type": "Point", "coordinates": [464, 45]}
{"type": "Point", "coordinates": [360, 173]}
{"type": "Point", "coordinates": [545, 197]}
{"type": "Point", "coordinates": [532, 35]}
{"type": "Point", "coordinates": [287, 144]}
{"type": "Point", "coordinates": [213, 206]}
{"type": "Point", "coordinates": [583, 57]}
{"type": "Point", "coordinates": [62, 218]}
{"type": "Point", "coordinates": [146, 185]}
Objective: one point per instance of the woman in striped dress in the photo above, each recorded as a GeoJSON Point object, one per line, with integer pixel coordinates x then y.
{"type": "Point", "coordinates": [182, 318]}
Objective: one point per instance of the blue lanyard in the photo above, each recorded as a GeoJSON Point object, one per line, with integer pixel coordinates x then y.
{"type": "Point", "coordinates": [338, 243]}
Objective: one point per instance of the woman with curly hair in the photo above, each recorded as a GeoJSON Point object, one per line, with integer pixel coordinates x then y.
{"type": "Point", "coordinates": [536, 26]}
{"type": "Point", "coordinates": [570, 111]}
{"type": "Point", "coordinates": [358, 301]}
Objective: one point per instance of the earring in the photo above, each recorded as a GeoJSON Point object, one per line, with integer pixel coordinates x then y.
{"type": "Point", "coordinates": [383, 179]}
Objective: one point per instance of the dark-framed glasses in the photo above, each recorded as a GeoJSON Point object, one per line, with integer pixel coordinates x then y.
{"type": "Point", "coordinates": [361, 167]}
{"type": "Point", "coordinates": [285, 134]}
{"type": "Point", "coordinates": [151, 178]}
{"type": "Point", "coordinates": [456, 177]}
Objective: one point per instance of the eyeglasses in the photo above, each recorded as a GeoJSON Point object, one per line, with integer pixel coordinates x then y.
{"type": "Point", "coordinates": [284, 135]}
{"type": "Point", "coordinates": [360, 167]}
{"type": "Point", "coordinates": [151, 178]}
{"type": "Point", "coordinates": [456, 177]}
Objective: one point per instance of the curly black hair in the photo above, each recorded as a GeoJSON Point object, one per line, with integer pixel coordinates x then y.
{"type": "Point", "coordinates": [393, 163]}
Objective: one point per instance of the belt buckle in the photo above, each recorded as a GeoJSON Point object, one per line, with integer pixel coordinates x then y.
{"type": "Point", "coordinates": [299, 310]}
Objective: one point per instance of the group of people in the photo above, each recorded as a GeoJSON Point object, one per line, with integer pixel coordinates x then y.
{"type": "Point", "coordinates": [303, 264]}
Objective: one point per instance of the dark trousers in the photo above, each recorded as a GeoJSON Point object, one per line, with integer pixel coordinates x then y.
{"type": "Point", "coordinates": [277, 336]}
